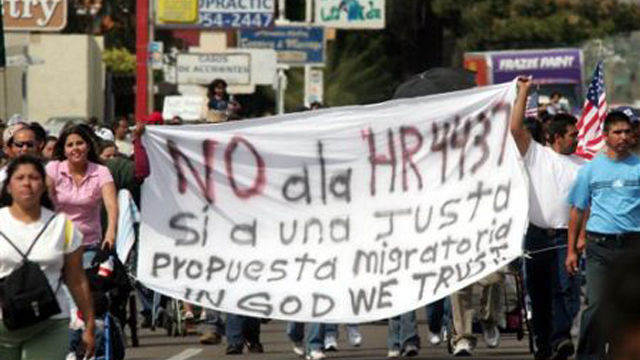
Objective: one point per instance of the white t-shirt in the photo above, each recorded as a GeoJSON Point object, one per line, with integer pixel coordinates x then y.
{"type": "Point", "coordinates": [125, 146]}
{"type": "Point", "coordinates": [551, 176]}
{"type": "Point", "coordinates": [60, 238]}
{"type": "Point", "coordinates": [3, 175]}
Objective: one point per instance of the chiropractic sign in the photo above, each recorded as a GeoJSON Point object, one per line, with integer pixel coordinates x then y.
{"type": "Point", "coordinates": [340, 215]}
{"type": "Point", "coordinates": [34, 15]}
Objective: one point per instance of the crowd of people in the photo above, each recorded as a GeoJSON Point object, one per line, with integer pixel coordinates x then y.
{"type": "Point", "coordinates": [60, 209]}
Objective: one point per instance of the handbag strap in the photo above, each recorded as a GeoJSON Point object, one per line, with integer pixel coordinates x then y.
{"type": "Point", "coordinates": [34, 240]}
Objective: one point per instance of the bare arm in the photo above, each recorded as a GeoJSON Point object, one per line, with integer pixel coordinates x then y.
{"type": "Point", "coordinates": [520, 133]}
{"type": "Point", "coordinates": [111, 204]}
{"type": "Point", "coordinates": [76, 281]}
{"type": "Point", "coordinates": [576, 217]}
{"type": "Point", "coordinates": [582, 238]}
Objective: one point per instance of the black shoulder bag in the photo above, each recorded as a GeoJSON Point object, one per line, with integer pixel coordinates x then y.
{"type": "Point", "coordinates": [25, 294]}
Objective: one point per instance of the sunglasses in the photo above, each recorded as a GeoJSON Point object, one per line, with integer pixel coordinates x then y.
{"type": "Point", "coordinates": [20, 145]}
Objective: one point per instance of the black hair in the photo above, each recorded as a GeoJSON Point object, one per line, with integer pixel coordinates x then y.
{"type": "Point", "coordinates": [212, 87]}
{"type": "Point", "coordinates": [555, 93]}
{"type": "Point", "coordinates": [116, 123]}
{"type": "Point", "coordinates": [5, 197]}
{"type": "Point", "coordinates": [615, 117]}
{"type": "Point", "coordinates": [559, 124]}
{"type": "Point", "coordinates": [41, 133]}
{"type": "Point", "coordinates": [215, 83]}
{"type": "Point", "coordinates": [87, 136]}
{"type": "Point", "coordinates": [535, 129]}
{"type": "Point", "coordinates": [105, 144]}
{"type": "Point", "coordinates": [68, 125]}
{"type": "Point", "coordinates": [176, 120]}
{"type": "Point", "coordinates": [316, 105]}
{"type": "Point", "coordinates": [51, 138]}
{"type": "Point", "coordinates": [619, 312]}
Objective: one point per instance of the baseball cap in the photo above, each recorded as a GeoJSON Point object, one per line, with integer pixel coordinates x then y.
{"type": "Point", "coordinates": [105, 134]}
{"type": "Point", "coordinates": [630, 112]}
{"type": "Point", "coordinates": [12, 130]}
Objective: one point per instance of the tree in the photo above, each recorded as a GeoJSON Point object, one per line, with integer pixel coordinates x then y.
{"type": "Point", "coordinates": [480, 25]}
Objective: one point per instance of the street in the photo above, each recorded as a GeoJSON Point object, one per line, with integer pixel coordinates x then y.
{"type": "Point", "coordinates": [157, 345]}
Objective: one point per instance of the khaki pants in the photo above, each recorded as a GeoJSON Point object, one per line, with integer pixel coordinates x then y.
{"type": "Point", "coordinates": [462, 309]}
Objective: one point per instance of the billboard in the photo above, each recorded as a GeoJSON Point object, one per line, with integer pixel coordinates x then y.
{"type": "Point", "coordinates": [221, 14]}
{"type": "Point", "coordinates": [234, 68]}
{"type": "Point", "coordinates": [295, 45]}
{"type": "Point", "coordinates": [558, 66]}
{"type": "Point", "coordinates": [28, 15]}
{"type": "Point", "coordinates": [350, 14]}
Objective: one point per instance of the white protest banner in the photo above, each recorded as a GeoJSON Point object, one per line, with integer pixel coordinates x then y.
{"type": "Point", "coordinates": [234, 68]}
{"type": "Point", "coordinates": [350, 14]}
{"type": "Point", "coordinates": [341, 215]}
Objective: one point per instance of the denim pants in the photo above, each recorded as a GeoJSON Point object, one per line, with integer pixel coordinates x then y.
{"type": "Point", "coordinates": [439, 315]}
{"type": "Point", "coordinates": [332, 329]}
{"type": "Point", "coordinates": [315, 337]}
{"type": "Point", "coordinates": [213, 322]}
{"type": "Point", "coordinates": [554, 294]}
{"type": "Point", "coordinates": [403, 330]}
{"type": "Point", "coordinates": [295, 332]}
{"type": "Point", "coordinates": [241, 329]}
{"type": "Point", "coordinates": [600, 255]}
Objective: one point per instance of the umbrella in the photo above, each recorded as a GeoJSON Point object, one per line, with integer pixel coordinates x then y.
{"type": "Point", "coordinates": [436, 81]}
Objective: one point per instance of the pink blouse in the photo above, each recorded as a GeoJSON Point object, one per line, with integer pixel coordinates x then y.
{"type": "Point", "coordinates": [81, 204]}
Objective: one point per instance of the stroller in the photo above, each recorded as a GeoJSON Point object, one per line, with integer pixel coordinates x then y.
{"type": "Point", "coordinates": [110, 287]}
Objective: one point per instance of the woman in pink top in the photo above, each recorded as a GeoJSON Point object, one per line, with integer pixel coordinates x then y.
{"type": "Point", "coordinates": [79, 185]}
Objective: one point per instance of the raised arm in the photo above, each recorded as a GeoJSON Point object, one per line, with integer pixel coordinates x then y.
{"type": "Point", "coordinates": [519, 131]}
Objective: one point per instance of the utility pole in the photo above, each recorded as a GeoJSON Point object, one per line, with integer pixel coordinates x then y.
{"type": "Point", "coordinates": [142, 44]}
{"type": "Point", "coordinates": [308, 18]}
{"type": "Point", "coordinates": [151, 85]}
{"type": "Point", "coordinates": [281, 75]}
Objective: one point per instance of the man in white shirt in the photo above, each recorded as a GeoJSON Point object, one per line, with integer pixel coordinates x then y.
{"type": "Point", "coordinates": [555, 295]}
{"type": "Point", "coordinates": [122, 139]}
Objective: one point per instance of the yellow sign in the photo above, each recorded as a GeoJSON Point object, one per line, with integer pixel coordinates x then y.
{"type": "Point", "coordinates": [178, 11]}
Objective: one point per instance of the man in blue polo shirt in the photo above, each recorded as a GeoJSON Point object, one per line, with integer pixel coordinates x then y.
{"type": "Point", "coordinates": [610, 186]}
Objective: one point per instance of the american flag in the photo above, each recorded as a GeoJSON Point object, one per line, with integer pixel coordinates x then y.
{"type": "Point", "coordinates": [590, 139]}
{"type": "Point", "coordinates": [532, 105]}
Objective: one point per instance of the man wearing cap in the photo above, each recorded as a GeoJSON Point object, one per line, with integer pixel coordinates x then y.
{"type": "Point", "coordinates": [19, 139]}
{"type": "Point", "coordinates": [555, 296]}
{"type": "Point", "coordinates": [631, 113]}
{"type": "Point", "coordinates": [610, 187]}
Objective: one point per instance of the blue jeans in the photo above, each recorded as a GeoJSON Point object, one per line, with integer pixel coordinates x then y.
{"type": "Point", "coordinates": [295, 332]}
{"type": "Point", "coordinates": [439, 315]}
{"type": "Point", "coordinates": [315, 337]}
{"type": "Point", "coordinates": [241, 329]}
{"type": "Point", "coordinates": [555, 296]}
{"type": "Point", "coordinates": [213, 322]}
{"type": "Point", "coordinates": [332, 329]}
{"type": "Point", "coordinates": [403, 330]}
